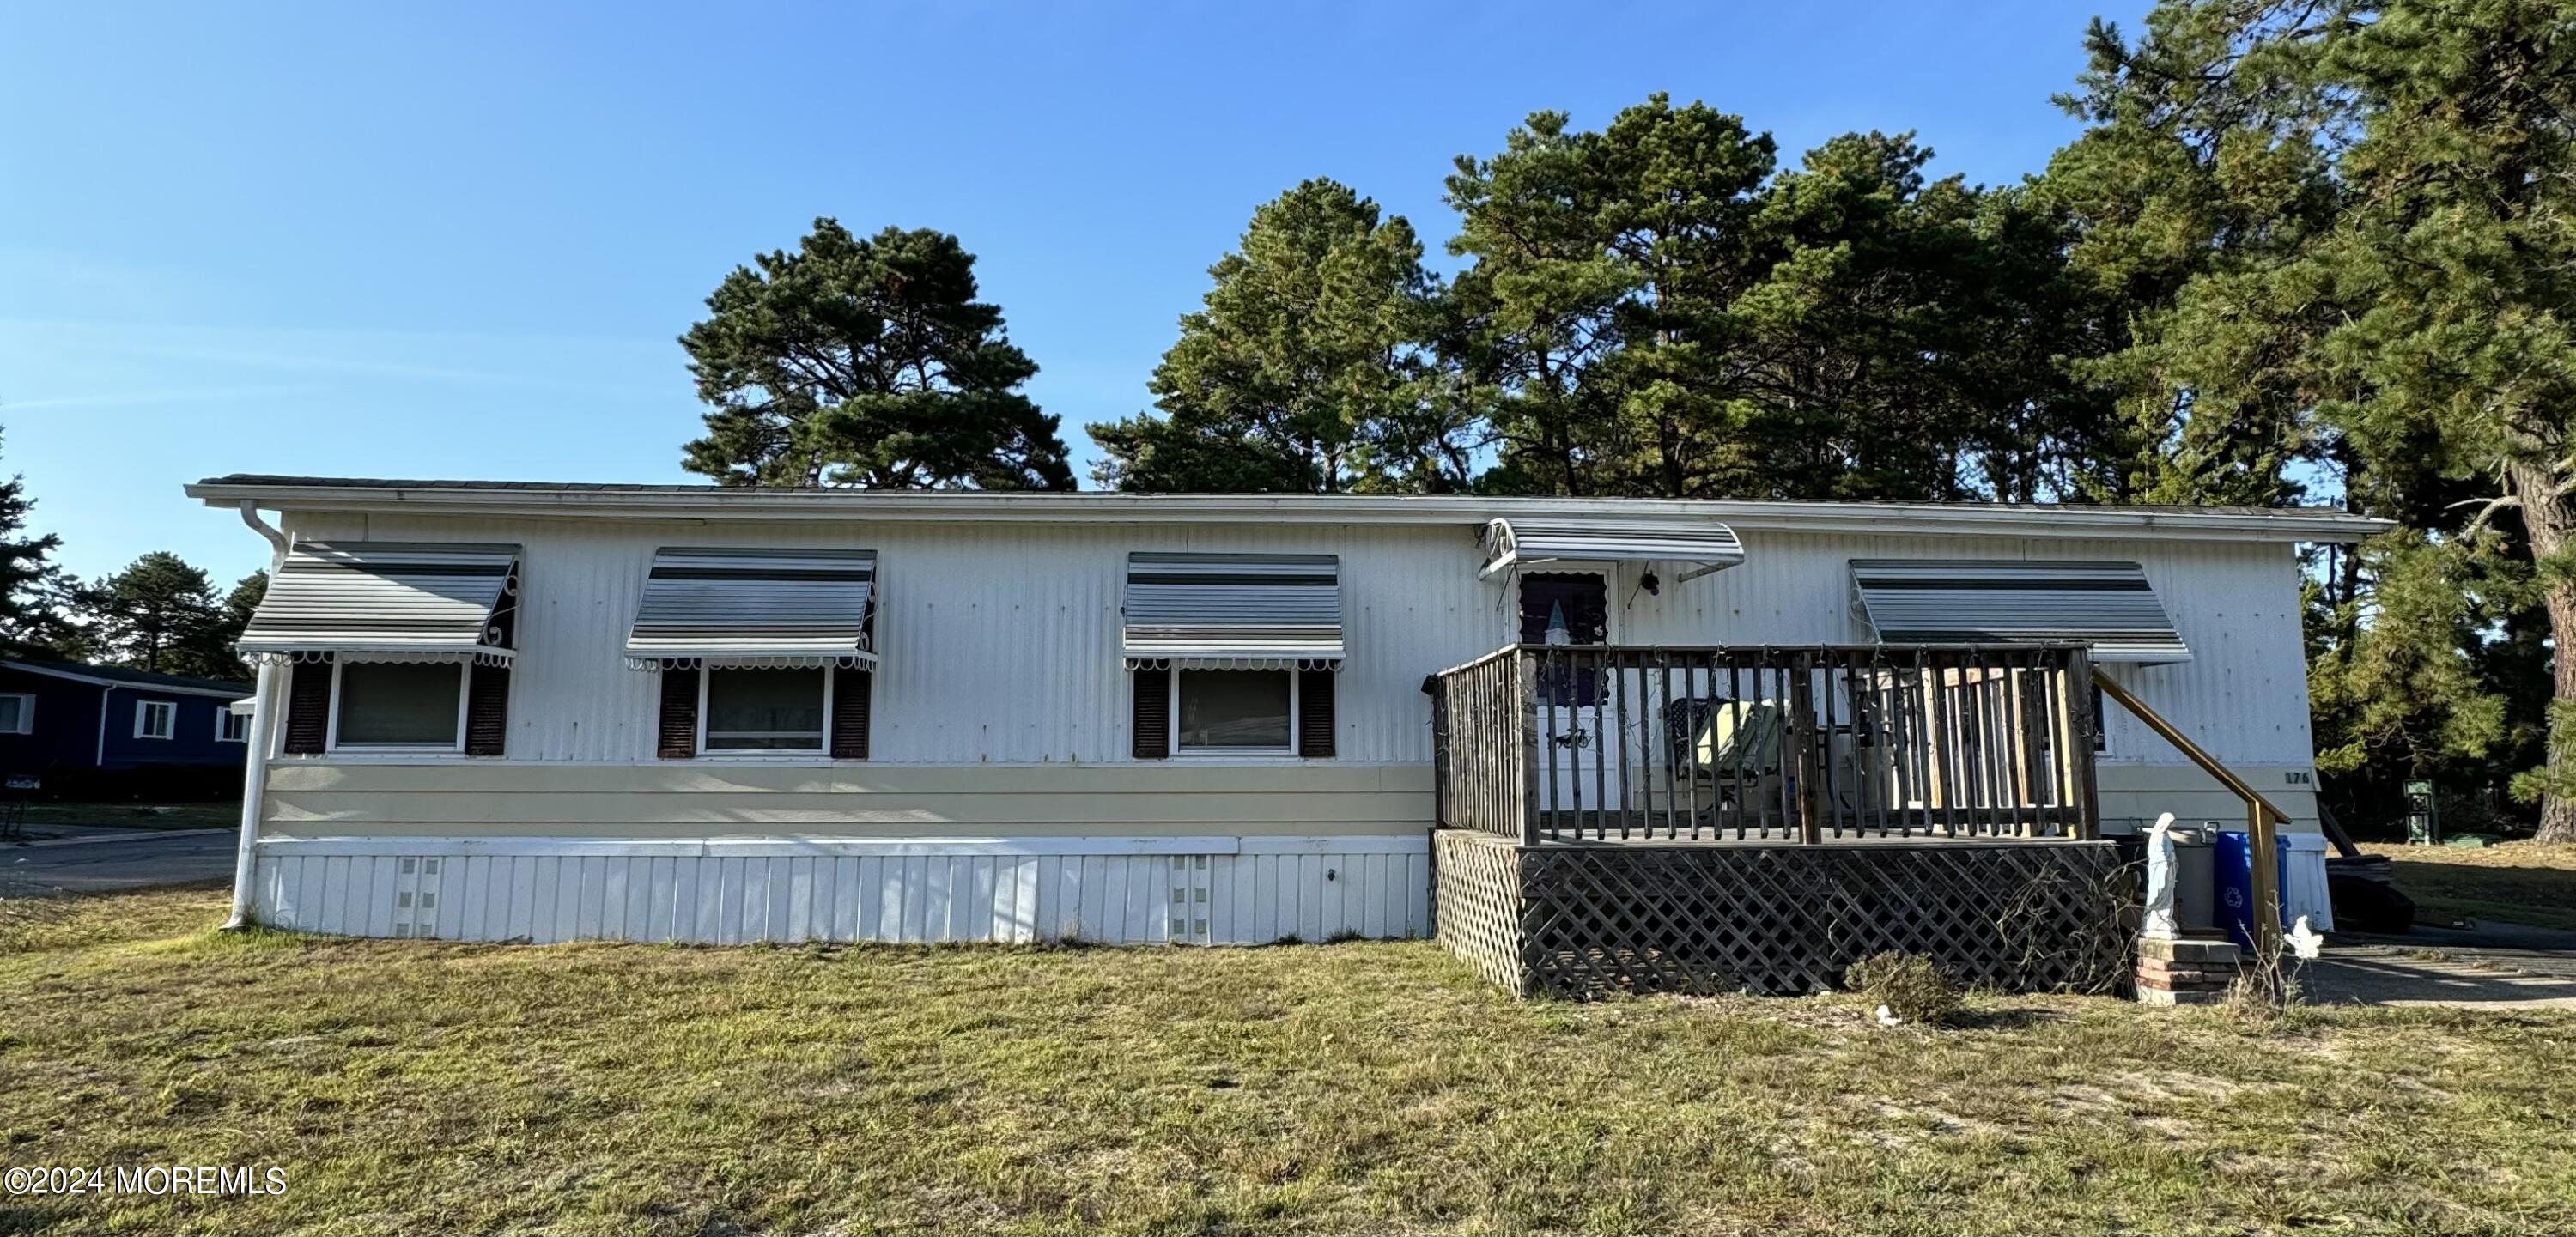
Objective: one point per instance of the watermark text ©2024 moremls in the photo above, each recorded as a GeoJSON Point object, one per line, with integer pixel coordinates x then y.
{"type": "Point", "coordinates": [205, 1179]}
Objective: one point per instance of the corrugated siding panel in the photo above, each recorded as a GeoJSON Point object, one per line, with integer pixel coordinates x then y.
{"type": "Point", "coordinates": [1115, 899]}
{"type": "Point", "coordinates": [1001, 641]}
{"type": "Point", "coordinates": [2243, 695]}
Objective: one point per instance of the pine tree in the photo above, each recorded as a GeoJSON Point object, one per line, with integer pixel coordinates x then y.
{"type": "Point", "coordinates": [160, 614]}
{"type": "Point", "coordinates": [31, 617]}
{"type": "Point", "coordinates": [2353, 223]}
{"type": "Point", "coordinates": [1304, 370]}
{"type": "Point", "coordinates": [866, 363]}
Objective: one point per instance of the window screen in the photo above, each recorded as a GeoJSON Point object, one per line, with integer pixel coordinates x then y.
{"type": "Point", "coordinates": [399, 704]}
{"type": "Point", "coordinates": [764, 710]}
{"type": "Point", "coordinates": [1233, 711]}
{"type": "Point", "coordinates": [17, 714]}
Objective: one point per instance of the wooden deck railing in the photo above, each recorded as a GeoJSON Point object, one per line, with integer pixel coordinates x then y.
{"type": "Point", "coordinates": [1599, 743]}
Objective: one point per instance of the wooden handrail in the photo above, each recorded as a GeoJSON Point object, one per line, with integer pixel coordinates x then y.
{"type": "Point", "coordinates": [2260, 815]}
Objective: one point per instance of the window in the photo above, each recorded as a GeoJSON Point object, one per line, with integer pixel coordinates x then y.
{"type": "Point", "coordinates": [745, 710]}
{"type": "Point", "coordinates": [398, 705]}
{"type": "Point", "coordinates": [1234, 712]}
{"type": "Point", "coordinates": [1566, 608]}
{"type": "Point", "coordinates": [155, 719]}
{"type": "Point", "coordinates": [231, 727]}
{"type": "Point", "coordinates": [17, 713]}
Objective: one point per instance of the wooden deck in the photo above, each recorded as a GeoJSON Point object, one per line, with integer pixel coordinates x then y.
{"type": "Point", "coordinates": [1721, 819]}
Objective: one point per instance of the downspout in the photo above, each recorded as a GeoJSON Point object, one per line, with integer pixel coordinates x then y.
{"type": "Point", "coordinates": [105, 696]}
{"type": "Point", "coordinates": [255, 750]}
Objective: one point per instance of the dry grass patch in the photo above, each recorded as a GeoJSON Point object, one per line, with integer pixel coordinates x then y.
{"type": "Point", "coordinates": [1339, 1088]}
{"type": "Point", "coordinates": [2519, 882]}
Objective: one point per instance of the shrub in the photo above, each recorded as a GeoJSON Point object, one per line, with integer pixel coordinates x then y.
{"type": "Point", "coordinates": [1909, 985]}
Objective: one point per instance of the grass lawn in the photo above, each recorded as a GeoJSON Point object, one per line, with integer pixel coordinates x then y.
{"type": "Point", "coordinates": [136, 815]}
{"type": "Point", "coordinates": [411, 1087]}
{"type": "Point", "coordinates": [2524, 882]}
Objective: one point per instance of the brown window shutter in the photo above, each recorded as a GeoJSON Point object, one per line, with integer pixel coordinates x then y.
{"type": "Point", "coordinates": [679, 714]}
{"type": "Point", "coordinates": [487, 710]}
{"type": "Point", "coordinates": [1153, 714]}
{"type": "Point", "coordinates": [308, 707]}
{"type": "Point", "coordinates": [850, 687]}
{"type": "Point", "coordinates": [1315, 714]}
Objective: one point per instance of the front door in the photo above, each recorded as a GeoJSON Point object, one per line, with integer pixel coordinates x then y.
{"type": "Point", "coordinates": [1571, 608]}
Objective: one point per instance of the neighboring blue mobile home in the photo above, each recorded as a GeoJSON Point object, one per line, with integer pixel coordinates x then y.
{"type": "Point", "coordinates": [104, 729]}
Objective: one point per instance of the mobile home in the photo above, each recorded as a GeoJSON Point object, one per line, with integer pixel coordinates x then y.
{"type": "Point", "coordinates": [494, 711]}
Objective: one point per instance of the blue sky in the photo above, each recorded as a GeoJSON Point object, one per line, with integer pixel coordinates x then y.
{"type": "Point", "coordinates": [457, 240]}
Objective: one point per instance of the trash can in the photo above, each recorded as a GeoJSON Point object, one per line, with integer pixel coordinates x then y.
{"type": "Point", "coordinates": [2195, 880]}
{"type": "Point", "coordinates": [2235, 862]}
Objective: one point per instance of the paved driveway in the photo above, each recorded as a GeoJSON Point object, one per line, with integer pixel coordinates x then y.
{"type": "Point", "coordinates": [146, 858]}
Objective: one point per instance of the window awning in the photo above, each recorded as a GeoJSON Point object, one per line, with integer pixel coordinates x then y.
{"type": "Point", "coordinates": [1704, 545]}
{"type": "Point", "coordinates": [1233, 611]}
{"type": "Point", "coordinates": [754, 607]}
{"type": "Point", "coordinates": [387, 601]}
{"type": "Point", "coordinates": [2110, 605]}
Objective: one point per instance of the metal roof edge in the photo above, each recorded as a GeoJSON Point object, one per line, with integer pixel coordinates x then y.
{"type": "Point", "coordinates": [715, 502]}
{"type": "Point", "coordinates": [159, 684]}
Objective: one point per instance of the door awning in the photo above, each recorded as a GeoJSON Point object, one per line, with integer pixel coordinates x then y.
{"type": "Point", "coordinates": [1233, 611]}
{"type": "Point", "coordinates": [1702, 546]}
{"type": "Point", "coordinates": [754, 607]}
{"type": "Point", "coordinates": [2110, 605]}
{"type": "Point", "coordinates": [387, 601]}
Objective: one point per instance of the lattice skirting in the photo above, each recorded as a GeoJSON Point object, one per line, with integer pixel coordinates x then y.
{"type": "Point", "coordinates": [1588, 921]}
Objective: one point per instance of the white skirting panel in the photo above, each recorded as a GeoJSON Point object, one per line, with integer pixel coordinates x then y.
{"type": "Point", "coordinates": [1213, 891]}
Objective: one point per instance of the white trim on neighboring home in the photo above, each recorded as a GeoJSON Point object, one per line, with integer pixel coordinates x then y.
{"type": "Point", "coordinates": [169, 710]}
{"type": "Point", "coordinates": [1469, 513]}
{"type": "Point", "coordinates": [332, 746]}
{"type": "Point", "coordinates": [97, 681]}
{"type": "Point", "coordinates": [224, 722]}
{"type": "Point", "coordinates": [26, 712]}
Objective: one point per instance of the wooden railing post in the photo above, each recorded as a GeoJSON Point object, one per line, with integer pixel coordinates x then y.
{"type": "Point", "coordinates": [1526, 676]}
{"type": "Point", "coordinates": [2079, 702]}
{"type": "Point", "coordinates": [1802, 726]}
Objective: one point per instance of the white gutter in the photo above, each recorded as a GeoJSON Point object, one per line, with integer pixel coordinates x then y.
{"type": "Point", "coordinates": [255, 751]}
{"type": "Point", "coordinates": [1468, 513]}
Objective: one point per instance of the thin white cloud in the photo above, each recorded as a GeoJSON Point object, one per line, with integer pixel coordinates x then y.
{"type": "Point", "coordinates": [172, 395]}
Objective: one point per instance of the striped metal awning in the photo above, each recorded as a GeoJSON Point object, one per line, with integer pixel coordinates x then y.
{"type": "Point", "coordinates": [1233, 611]}
{"type": "Point", "coordinates": [1929, 601]}
{"type": "Point", "coordinates": [386, 601]}
{"type": "Point", "coordinates": [754, 607]}
{"type": "Point", "coordinates": [1704, 545]}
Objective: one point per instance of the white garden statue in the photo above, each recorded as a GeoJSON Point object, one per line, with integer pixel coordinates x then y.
{"type": "Point", "coordinates": [2163, 875]}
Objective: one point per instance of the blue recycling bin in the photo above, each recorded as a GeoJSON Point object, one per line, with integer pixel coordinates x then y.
{"type": "Point", "coordinates": [2234, 859]}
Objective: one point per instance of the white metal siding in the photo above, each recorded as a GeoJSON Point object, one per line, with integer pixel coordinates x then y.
{"type": "Point", "coordinates": [524, 889]}
{"type": "Point", "coordinates": [1000, 641]}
